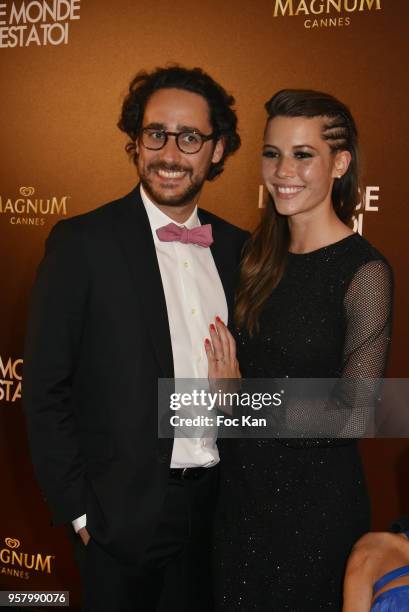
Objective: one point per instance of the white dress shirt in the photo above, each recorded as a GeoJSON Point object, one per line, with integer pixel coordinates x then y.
{"type": "Point", "coordinates": [194, 297]}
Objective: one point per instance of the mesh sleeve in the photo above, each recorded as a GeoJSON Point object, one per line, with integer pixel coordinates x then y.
{"type": "Point", "coordinates": [368, 311]}
{"type": "Point", "coordinates": [348, 411]}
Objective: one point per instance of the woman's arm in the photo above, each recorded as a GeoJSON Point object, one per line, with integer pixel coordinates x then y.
{"type": "Point", "coordinates": [359, 576]}
{"type": "Point", "coordinates": [373, 556]}
{"type": "Point", "coordinates": [348, 410]}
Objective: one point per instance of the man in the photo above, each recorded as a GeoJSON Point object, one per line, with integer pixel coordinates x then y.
{"type": "Point", "coordinates": [122, 298]}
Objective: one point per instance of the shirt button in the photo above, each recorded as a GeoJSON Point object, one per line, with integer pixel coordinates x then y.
{"type": "Point", "coordinates": [186, 264]}
{"type": "Point", "coordinates": [194, 311]}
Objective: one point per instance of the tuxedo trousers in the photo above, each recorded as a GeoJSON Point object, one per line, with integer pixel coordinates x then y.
{"type": "Point", "coordinates": [174, 574]}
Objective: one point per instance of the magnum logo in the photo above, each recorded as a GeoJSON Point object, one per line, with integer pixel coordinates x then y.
{"type": "Point", "coordinates": [10, 379]}
{"type": "Point", "coordinates": [16, 563]}
{"type": "Point", "coordinates": [324, 13]}
{"type": "Point", "coordinates": [27, 191]}
{"type": "Point", "coordinates": [29, 210]}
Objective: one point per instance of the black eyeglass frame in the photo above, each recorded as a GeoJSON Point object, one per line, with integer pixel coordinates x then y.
{"type": "Point", "coordinates": [177, 135]}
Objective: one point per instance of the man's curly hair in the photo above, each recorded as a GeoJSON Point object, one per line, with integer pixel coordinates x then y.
{"type": "Point", "coordinates": [222, 116]}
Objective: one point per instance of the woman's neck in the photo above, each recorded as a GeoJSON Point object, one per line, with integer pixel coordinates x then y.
{"type": "Point", "coordinates": [315, 230]}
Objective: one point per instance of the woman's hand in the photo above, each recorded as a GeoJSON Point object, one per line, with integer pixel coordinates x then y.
{"type": "Point", "coordinates": [221, 352]}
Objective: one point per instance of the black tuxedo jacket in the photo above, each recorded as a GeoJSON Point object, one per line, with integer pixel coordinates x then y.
{"type": "Point", "coordinates": [98, 339]}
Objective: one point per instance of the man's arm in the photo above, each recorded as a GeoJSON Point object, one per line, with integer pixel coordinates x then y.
{"type": "Point", "coordinates": [51, 356]}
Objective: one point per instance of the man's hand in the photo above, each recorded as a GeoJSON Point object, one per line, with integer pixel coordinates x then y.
{"type": "Point", "coordinates": [84, 535]}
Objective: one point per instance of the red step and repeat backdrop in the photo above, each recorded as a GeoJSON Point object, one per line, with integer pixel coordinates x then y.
{"type": "Point", "coordinates": [65, 66]}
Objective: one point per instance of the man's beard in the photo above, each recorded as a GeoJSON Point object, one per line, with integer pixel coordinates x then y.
{"type": "Point", "coordinates": [180, 199]}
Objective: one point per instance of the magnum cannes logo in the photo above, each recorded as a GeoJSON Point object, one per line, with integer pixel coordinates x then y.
{"type": "Point", "coordinates": [40, 23]}
{"type": "Point", "coordinates": [323, 13]}
{"type": "Point", "coordinates": [16, 563]}
{"type": "Point", "coordinates": [28, 209]}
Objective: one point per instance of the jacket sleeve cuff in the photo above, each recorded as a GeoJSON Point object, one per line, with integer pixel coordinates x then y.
{"type": "Point", "coordinates": [79, 522]}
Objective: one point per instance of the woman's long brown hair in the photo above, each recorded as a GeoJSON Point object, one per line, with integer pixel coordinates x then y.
{"type": "Point", "coordinates": [265, 254]}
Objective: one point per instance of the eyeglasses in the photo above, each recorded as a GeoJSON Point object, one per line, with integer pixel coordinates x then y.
{"type": "Point", "coordinates": [188, 142]}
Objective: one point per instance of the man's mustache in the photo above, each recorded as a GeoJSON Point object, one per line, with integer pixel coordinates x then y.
{"type": "Point", "coordinates": [168, 167]}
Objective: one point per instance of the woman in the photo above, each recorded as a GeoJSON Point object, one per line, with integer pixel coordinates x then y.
{"type": "Point", "coordinates": [377, 575]}
{"type": "Point", "coordinates": [314, 301]}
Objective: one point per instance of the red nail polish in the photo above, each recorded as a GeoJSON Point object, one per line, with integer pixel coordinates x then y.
{"type": "Point", "coordinates": [212, 327]}
{"type": "Point", "coordinates": [218, 319]}
{"type": "Point", "coordinates": [207, 341]}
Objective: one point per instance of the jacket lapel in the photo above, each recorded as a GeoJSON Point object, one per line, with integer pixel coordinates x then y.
{"type": "Point", "coordinates": [134, 234]}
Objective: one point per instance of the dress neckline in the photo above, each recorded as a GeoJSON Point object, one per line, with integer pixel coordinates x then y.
{"type": "Point", "coordinates": [332, 245]}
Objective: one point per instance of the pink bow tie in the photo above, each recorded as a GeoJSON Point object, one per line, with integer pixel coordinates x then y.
{"type": "Point", "coordinates": [201, 235]}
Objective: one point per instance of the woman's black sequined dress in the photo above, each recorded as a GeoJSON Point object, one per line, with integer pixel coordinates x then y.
{"type": "Point", "coordinates": [291, 510]}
